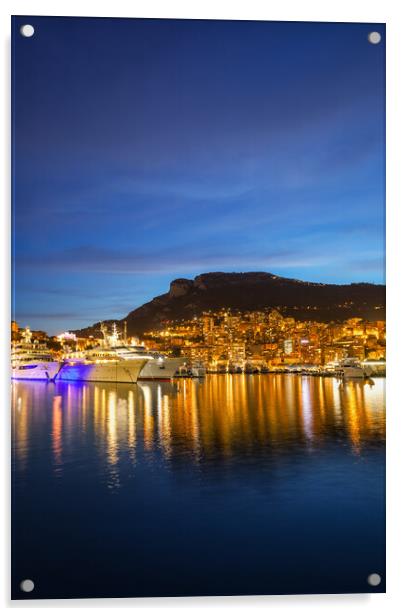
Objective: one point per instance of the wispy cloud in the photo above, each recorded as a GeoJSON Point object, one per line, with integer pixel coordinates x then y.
{"type": "Point", "coordinates": [107, 261]}
{"type": "Point", "coordinates": [67, 316]}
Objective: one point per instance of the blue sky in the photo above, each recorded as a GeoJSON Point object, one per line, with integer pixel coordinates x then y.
{"type": "Point", "coordinates": [146, 150]}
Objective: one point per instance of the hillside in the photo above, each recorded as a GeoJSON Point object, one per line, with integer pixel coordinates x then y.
{"type": "Point", "coordinates": [254, 291]}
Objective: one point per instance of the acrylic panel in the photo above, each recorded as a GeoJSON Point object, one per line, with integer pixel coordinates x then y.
{"type": "Point", "coordinates": [198, 336]}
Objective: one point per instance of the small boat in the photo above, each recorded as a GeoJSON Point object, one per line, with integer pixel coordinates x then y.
{"type": "Point", "coordinates": [351, 368]}
{"type": "Point", "coordinates": [198, 369]}
{"type": "Point", "coordinates": [249, 368]}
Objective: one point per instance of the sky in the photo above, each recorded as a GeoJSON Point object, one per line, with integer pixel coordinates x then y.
{"type": "Point", "coordinates": [149, 150]}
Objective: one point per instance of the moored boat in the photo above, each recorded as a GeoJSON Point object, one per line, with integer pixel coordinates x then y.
{"type": "Point", "coordinates": [101, 365]}
{"type": "Point", "coordinates": [33, 361]}
{"type": "Point", "coordinates": [198, 369]}
{"type": "Point", "coordinates": [117, 361]}
{"type": "Point", "coordinates": [351, 368]}
{"type": "Point", "coordinates": [157, 366]}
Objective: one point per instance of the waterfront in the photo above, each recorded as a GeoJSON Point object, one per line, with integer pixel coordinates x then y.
{"type": "Point", "coordinates": [234, 484]}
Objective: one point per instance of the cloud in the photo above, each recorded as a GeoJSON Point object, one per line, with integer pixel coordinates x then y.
{"type": "Point", "coordinates": [103, 260]}
{"type": "Point", "coordinates": [369, 265]}
{"type": "Point", "coordinates": [45, 316]}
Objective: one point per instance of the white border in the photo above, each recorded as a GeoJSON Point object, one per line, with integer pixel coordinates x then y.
{"type": "Point", "coordinates": [290, 10]}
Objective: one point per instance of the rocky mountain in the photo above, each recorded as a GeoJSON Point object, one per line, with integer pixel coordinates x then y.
{"type": "Point", "coordinates": [254, 291]}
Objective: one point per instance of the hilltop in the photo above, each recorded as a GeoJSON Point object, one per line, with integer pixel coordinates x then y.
{"type": "Point", "coordinates": [187, 298]}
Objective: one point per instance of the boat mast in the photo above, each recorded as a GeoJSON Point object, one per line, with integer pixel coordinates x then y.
{"type": "Point", "coordinates": [103, 329]}
{"type": "Point", "coordinates": [27, 335]}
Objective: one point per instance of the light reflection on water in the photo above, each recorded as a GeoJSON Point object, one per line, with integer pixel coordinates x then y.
{"type": "Point", "coordinates": [243, 484]}
{"type": "Point", "coordinates": [223, 416]}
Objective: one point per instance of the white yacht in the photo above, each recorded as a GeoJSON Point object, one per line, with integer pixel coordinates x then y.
{"type": "Point", "coordinates": [102, 365]}
{"type": "Point", "coordinates": [352, 368]}
{"type": "Point", "coordinates": [119, 362]}
{"type": "Point", "coordinates": [157, 366]}
{"type": "Point", "coordinates": [33, 361]}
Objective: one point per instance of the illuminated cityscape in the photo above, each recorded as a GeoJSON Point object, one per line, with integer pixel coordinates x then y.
{"type": "Point", "coordinates": [228, 341]}
{"type": "Point", "coordinates": [231, 340]}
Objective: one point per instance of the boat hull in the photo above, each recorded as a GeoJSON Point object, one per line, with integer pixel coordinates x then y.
{"type": "Point", "coordinates": [40, 371]}
{"type": "Point", "coordinates": [198, 370]}
{"type": "Point", "coordinates": [160, 370]}
{"type": "Point", "coordinates": [353, 373]}
{"type": "Point", "coordinates": [124, 371]}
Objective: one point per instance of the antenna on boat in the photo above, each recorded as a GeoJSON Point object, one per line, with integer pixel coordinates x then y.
{"type": "Point", "coordinates": [114, 338]}
{"type": "Point", "coordinates": [103, 329]}
{"type": "Point", "coordinates": [27, 335]}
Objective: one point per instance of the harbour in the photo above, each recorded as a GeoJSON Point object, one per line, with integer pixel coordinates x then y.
{"type": "Point", "coordinates": [114, 359]}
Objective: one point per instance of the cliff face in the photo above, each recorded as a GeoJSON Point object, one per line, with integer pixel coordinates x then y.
{"type": "Point", "coordinates": [255, 291]}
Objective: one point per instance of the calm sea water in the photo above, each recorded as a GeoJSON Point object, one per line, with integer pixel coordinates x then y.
{"type": "Point", "coordinates": [232, 485]}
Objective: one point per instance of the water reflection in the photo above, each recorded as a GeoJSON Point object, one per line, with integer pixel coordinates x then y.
{"type": "Point", "coordinates": [57, 427]}
{"type": "Point", "coordinates": [222, 417]}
